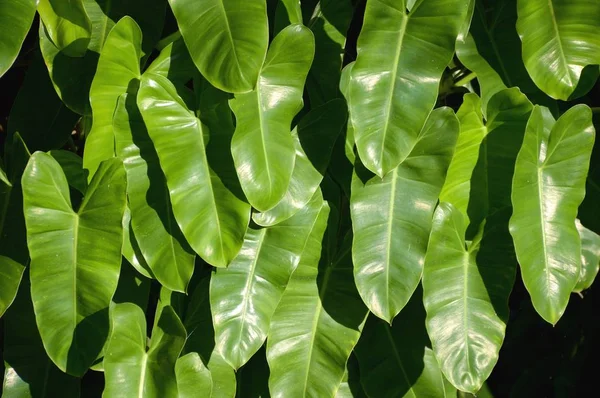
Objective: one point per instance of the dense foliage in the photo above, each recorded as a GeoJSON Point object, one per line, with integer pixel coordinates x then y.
{"type": "Point", "coordinates": [334, 198]}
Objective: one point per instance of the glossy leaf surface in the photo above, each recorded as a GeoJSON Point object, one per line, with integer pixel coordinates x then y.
{"type": "Point", "coordinates": [391, 91]}
{"type": "Point", "coordinates": [391, 217]}
{"type": "Point", "coordinates": [74, 278]}
{"type": "Point", "coordinates": [560, 38]}
{"type": "Point", "coordinates": [193, 378]}
{"type": "Point", "coordinates": [548, 187]}
{"type": "Point", "coordinates": [211, 217]}
{"type": "Point", "coordinates": [262, 146]}
{"type": "Point", "coordinates": [15, 17]}
{"type": "Point", "coordinates": [590, 257]}
{"type": "Point", "coordinates": [227, 39]}
{"type": "Point", "coordinates": [158, 236]}
{"type": "Point", "coordinates": [244, 296]}
{"type": "Point", "coordinates": [67, 24]}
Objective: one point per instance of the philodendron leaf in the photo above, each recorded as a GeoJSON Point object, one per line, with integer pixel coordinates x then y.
{"type": "Point", "coordinates": [244, 296]}
{"type": "Point", "coordinates": [465, 291]}
{"type": "Point", "coordinates": [397, 360]}
{"type": "Point", "coordinates": [131, 369]}
{"type": "Point", "coordinates": [16, 17]}
{"type": "Point", "coordinates": [262, 146]}
{"type": "Point", "coordinates": [193, 378]}
{"type": "Point", "coordinates": [211, 217]}
{"type": "Point", "coordinates": [174, 62]}
{"type": "Point", "coordinates": [391, 217]}
{"type": "Point", "coordinates": [392, 91]}
{"type": "Point", "coordinates": [75, 257]}
{"type": "Point", "coordinates": [157, 234]}
{"type": "Point", "coordinates": [287, 12]}
{"type": "Point", "coordinates": [590, 257]}
{"type": "Point", "coordinates": [314, 138]}
{"type": "Point", "coordinates": [118, 72]}
{"type": "Point", "coordinates": [317, 322]}
{"type": "Point", "coordinates": [14, 256]}
{"type": "Point", "coordinates": [548, 187]}
{"type": "Point", "coordinates": [560, 38]}
{"type": "Point", "coordinates": [67, 24]}
{"type": "Point", "coordinates": [227, 39]}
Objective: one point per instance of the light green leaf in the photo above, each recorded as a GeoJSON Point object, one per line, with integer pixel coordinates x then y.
{"type": "Point", "coordinates": [132, 370]}
{"type": "Point", "coordinates": [74, 278]}
{"type": "Point", "coordinates": [16, 17]}
{"type": "Point", "coordinates": [391, 217]}
{"type": "Point", "coordinates": [244, 296]}
{"type": "Point", "coordinates": [262, 146]}
{"type": "Point", "coordinates": [67, 24]}
{"type": "Point", "coordinates": [72, 166]}
{"type": "Point", "coordinates": [457, 187]}
{"type": "Point", "coordinates": [465, 291]}
{"type": "Point", "coordinates": [590, 257]}
{"type": "Point", "coordinates": [227, 39]}
{"type": "Point", "coordinates": [317, 323]}
{"type": "Point", "coordinates": [287, 12]}
{"type": "Point", "coordinates": [14, 256]}
{"type": "Point", "coordinates": [174, 63]}
{"type": "Point", "coordinates": [397, 361]}
{"type": "Point", "coordinates": [29, 372]}
{"type": "Point", "coordinates": [548, 187]}
{"type": "Point", "coordinates": [193, 378]}
{"type": "Point", "coordinates": [314, 138]}
{"type": "Point", "coordinates": [392, 91]}
{"type": "Point", "coordinates": [131, 249]}
{"type": "Point", "coordinates": [158, 236]}
{"type": "Point", "coordinates": [560, 38]}
{"type": "Point", "coordinates": [118, 72]}
{"type": "Point", "coordinates": [211, 217]}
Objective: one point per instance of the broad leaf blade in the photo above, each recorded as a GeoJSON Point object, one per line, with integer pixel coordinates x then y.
{"type": "Point", "coordinates": [227, 39]}
{"type": "Point", "coordinates": [391, 217]}
{"type": "Point", "coordinates": [193, 378]}
{"type": "Point", "coordinates": [244, 296]}
{"type": "Point", "coordinates": [548, 187]}
{"type": "Point", "coordinates": [392, 92]}
{"type": "Point", "coordinates": [262, 146]}
{"type": "Point", "coordinates": [67, 24]}
{"type": "Point", "coordinates": [118, 71]}
{"type": "Point", "coordinates": [158, 236]}
{"type": "Point", "coordinates": [74, 278]}
{"type": "Point", "coordinates": [15, 17]}
{"type": "Point", "coordinates": [560, 38]}
{"type": "Point", "coordinates": [211, 217]}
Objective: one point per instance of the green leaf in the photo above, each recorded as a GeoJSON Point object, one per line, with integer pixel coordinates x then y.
{"type": "Point", "coordinates": [118, 72]}
{"type": "Point", "coordinates": [227, 39]}
{"type": "Point", "coordinates": [314, 138]}
{"type": "Point", "coordinates": [329, 24]}
{"type": "Point", "coordinates": [132, 370]}
{"type": "Point", "coordinates": [72, 166]}
{"type": "Point", "coordinates": [14, 256]}
{"type": "Point", "coordinates": [244, 296]}
{"type": "Point", "coordinates": [262, 146]}
{"type": "Point", "coordinates": [174, 63]}
{"type": "Point", "coordinates": [52, 124]}
{"type": "Point", "coordinates": [465, 291]}
{"type": "Point", "coordinates": [193, 378]}
{"type": "Point", "coordinates": [29, 372]}
{"type": "Point", "coordinates": [548, 187]}
{"type": "Point", "coordinates": [397, 361]}
{"type": "Point", "coordinates": [287, 12]}
{"type": "Point", "coordinates": [16, 17]}
{"type": "Point", "coordinates": [253, 378]}
{"type": "Point", "coordinates": [560, 38]}
{"type": "Point", "coordinates": [351, 387]}
{"type": "Point", "coordinates": [158, 236]}
{"type": "Point", "coordinates": [391, 217]}
{"type": "Point", "coordinates": [74, 277]}
{"type": "Point", "coordinates": [392, 91]}
{"type": "Point", "coordinates": [201, 339]}
{"type": "Point", "coordinates": [211, 217]}
{"type": "Point", "coordinates": [590, 257]}
{"type": "Point", "coordinates": [317, 323]}
{"type": "Point", "coordinates": [457, 187]}
{"type": "Point", "coordinates": [131, 249]}
{"type": "Point", "coordinates": [67, 24]}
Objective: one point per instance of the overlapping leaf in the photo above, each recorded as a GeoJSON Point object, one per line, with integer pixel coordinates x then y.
{"type": "Point", "coordinates": [392, 91]}
{"type": "Point", "coordinates": [391, 217]}
{"type": "Point", "coordinates": [262, 146]}
{"type": "Point", "coordinates": [15, 17]}
{"type": "Point", "coordinates": [590, 257]}
{"type": "Point", "coordinates": [211, 217]}
{"type": "Point", "coordinates": [75, 258]}
{"type": "Point", "coordinates": [67, 25]}
{"type": "Point", "coordinates": [548, 187]}
{"type": "Point", "coordinates": [226, 39]}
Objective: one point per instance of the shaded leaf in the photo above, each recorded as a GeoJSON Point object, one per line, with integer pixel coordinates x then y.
{"type": "Point", "coordinates": [193, 378]}
{"type": "Point", "coordinates": [15, 17]}
{"type": "Point", "coordinates": [590, 257]}
{"type": "Point", "coordinates": [67, 24]}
